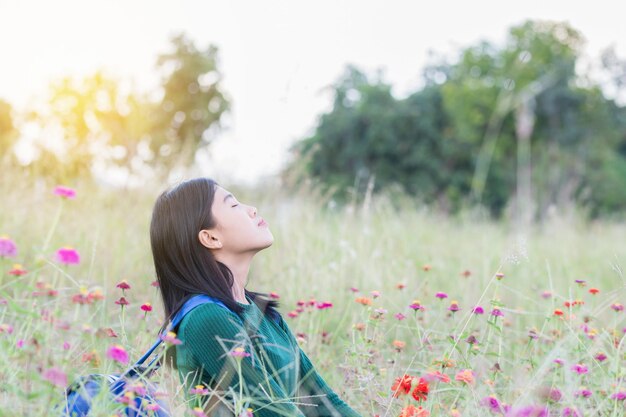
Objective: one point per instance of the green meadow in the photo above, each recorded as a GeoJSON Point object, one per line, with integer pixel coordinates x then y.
{"type": "Point", "coordinates": [549, 341]}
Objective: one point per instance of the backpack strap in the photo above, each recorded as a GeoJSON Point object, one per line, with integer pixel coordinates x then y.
{"type": "Point", "coordinates": [190, 304]}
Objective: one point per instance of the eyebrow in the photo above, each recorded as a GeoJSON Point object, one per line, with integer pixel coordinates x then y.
{"type": "Point", "coordinates": [227, 195]}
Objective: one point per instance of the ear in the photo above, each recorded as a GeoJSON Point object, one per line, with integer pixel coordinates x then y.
{"type": "Point", "coordinates": [209, 239]}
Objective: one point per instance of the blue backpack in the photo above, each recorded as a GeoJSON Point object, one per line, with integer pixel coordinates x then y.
{"type": "Point", "coordinates": [144, 403]}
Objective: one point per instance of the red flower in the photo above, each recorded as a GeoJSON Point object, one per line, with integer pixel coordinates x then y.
{"type": "Point", "coordinates": [420, 392]}
{"type": "Point", "coordinates": [403, 385]}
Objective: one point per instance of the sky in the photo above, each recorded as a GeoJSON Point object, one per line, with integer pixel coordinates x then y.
{"type": "Point", "coordinates": [277, 57]}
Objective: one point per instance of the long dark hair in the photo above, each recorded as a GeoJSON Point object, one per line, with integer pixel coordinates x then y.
{"type": "Point", "coordinates": [184, 266]}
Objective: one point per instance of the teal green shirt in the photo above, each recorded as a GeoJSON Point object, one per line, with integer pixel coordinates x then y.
{"type": "Point", "coordinates": [279, 378]}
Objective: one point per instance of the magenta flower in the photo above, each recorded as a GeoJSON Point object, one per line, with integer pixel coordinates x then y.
{"type": "Point", "coordinates": [571, 412]}
{"type": "Point", "coordinates": [492, 403]}
{"type": "Point", "coordinates": [579, 369]}
{"type": "Point", "coordinates": [7, 247]}
{"type": "Point", "coordinates": [478, 310]}
{"type": "Point", "coordinates": [56, 376]}
{"type": "Point", "coordinates": [68, 255]}
{"type": "Point", "coordinates": [496, 312]}
{"type": "Point", "coordinates": [64, 192]}
{"type": "Point", "coordinates": [558, 361]}
{"type": "Point", "coordinates": [600, 357]}
{"type": "Point", "coordinates": [441, 295]}
{"type": "Point", "coordinates": [416, 306]}
{"type": "Point", "coordinates": [117, 353]}
{"type": "Point", "coordinates": [617, 307]}
{"type": "Point", "coordinates": [583, 392]}
{"type": "Point", "coordinates": [620, 396]}
{"type": "Point", "coordinates": [124, 285]}
{"type": "Point", "coordinates": [323, 305]}
{"type": "Point", "coordinates": [400, 316]}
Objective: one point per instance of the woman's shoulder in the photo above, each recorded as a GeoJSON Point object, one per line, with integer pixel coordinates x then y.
{"type": "Point", "coordinates": [206, 314]}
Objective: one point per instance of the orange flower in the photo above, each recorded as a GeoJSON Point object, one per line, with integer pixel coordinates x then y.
{"type": "Point", "coordinates": [359, 326]}
{"type": "Point", "coordinates": [412, 411]}
{"type": "Point", "coordinates": [364, 300]}
{"type": "Point", "coordinates": [399, 345]}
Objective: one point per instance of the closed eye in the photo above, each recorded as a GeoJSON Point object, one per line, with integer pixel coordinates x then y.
{"type": "Point", "coordinates": [235, 205]}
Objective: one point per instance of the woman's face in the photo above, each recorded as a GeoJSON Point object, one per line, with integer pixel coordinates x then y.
{"type": "Point", "coordinates": [238, 228]}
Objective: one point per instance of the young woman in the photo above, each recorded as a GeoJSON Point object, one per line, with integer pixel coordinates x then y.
{"type": "Point", "coordinates": [203, 240]}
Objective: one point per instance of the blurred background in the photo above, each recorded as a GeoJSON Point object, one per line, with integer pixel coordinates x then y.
{"type": "Point", "coordinates": [517, 111]}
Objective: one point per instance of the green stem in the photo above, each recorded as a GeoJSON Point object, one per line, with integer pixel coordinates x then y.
{"type": "Point", "coordinates": [55, 222]}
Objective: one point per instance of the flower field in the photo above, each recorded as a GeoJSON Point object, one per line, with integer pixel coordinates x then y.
{"type": "Point", "coordinates": [403, 311]}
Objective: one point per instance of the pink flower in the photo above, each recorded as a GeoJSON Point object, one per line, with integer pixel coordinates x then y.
{"type": "Point", "coordinates": [117, 353]}
{"type": "Point", "coordinates": [17, 270]}
{"type": "Point", "coordinates": [496, 312]}
{"type": "Point", "coordinates": [56, 376]}
{"type": "Point", "coordinates": [199, 390]}
{"type": "Point", "coordinates": [324, 305]}
{"type": "Point", "coordinates": [146, 307]}
{"type": "Point", "coordinates": [239, 352]}
{"type": "Point", "coordinates": [68, 255]}
{"type": "Point", "coordinates": [6, 328]}
{"type": "Point", "coordinates": [292, 314]}
{"type": "Point", "coordinates": [465, 375]}
{"type": "Point", "coordinates": [64, 192]}
{"type": "Point", "coordinates": [571, 412]}
{"type": "Point", "coordinates": [399, 316]}
{"type": "Point", "coordinates": [375, 294]}
{"type": "Point", "coordinates": [197, 411]}
{"type": "Point", "coordinates": [124, 285]}
{"type": "Point", "coordinates": [579, 368]}
{"type": "Point", "coordinates": [617, 307]}
{"type": "Point", "coordinates": [122, 301]}
{"type": "Point", "coordinates": [7, 247]}
{"type": "Point", "coordinates": [454, 307]}
{"type": "Point", "coordinates": [274, 295]}
{"type": "Point", "coordinates": [436, 376]}
{"type": "Point", "coordinates": [441, 295]}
